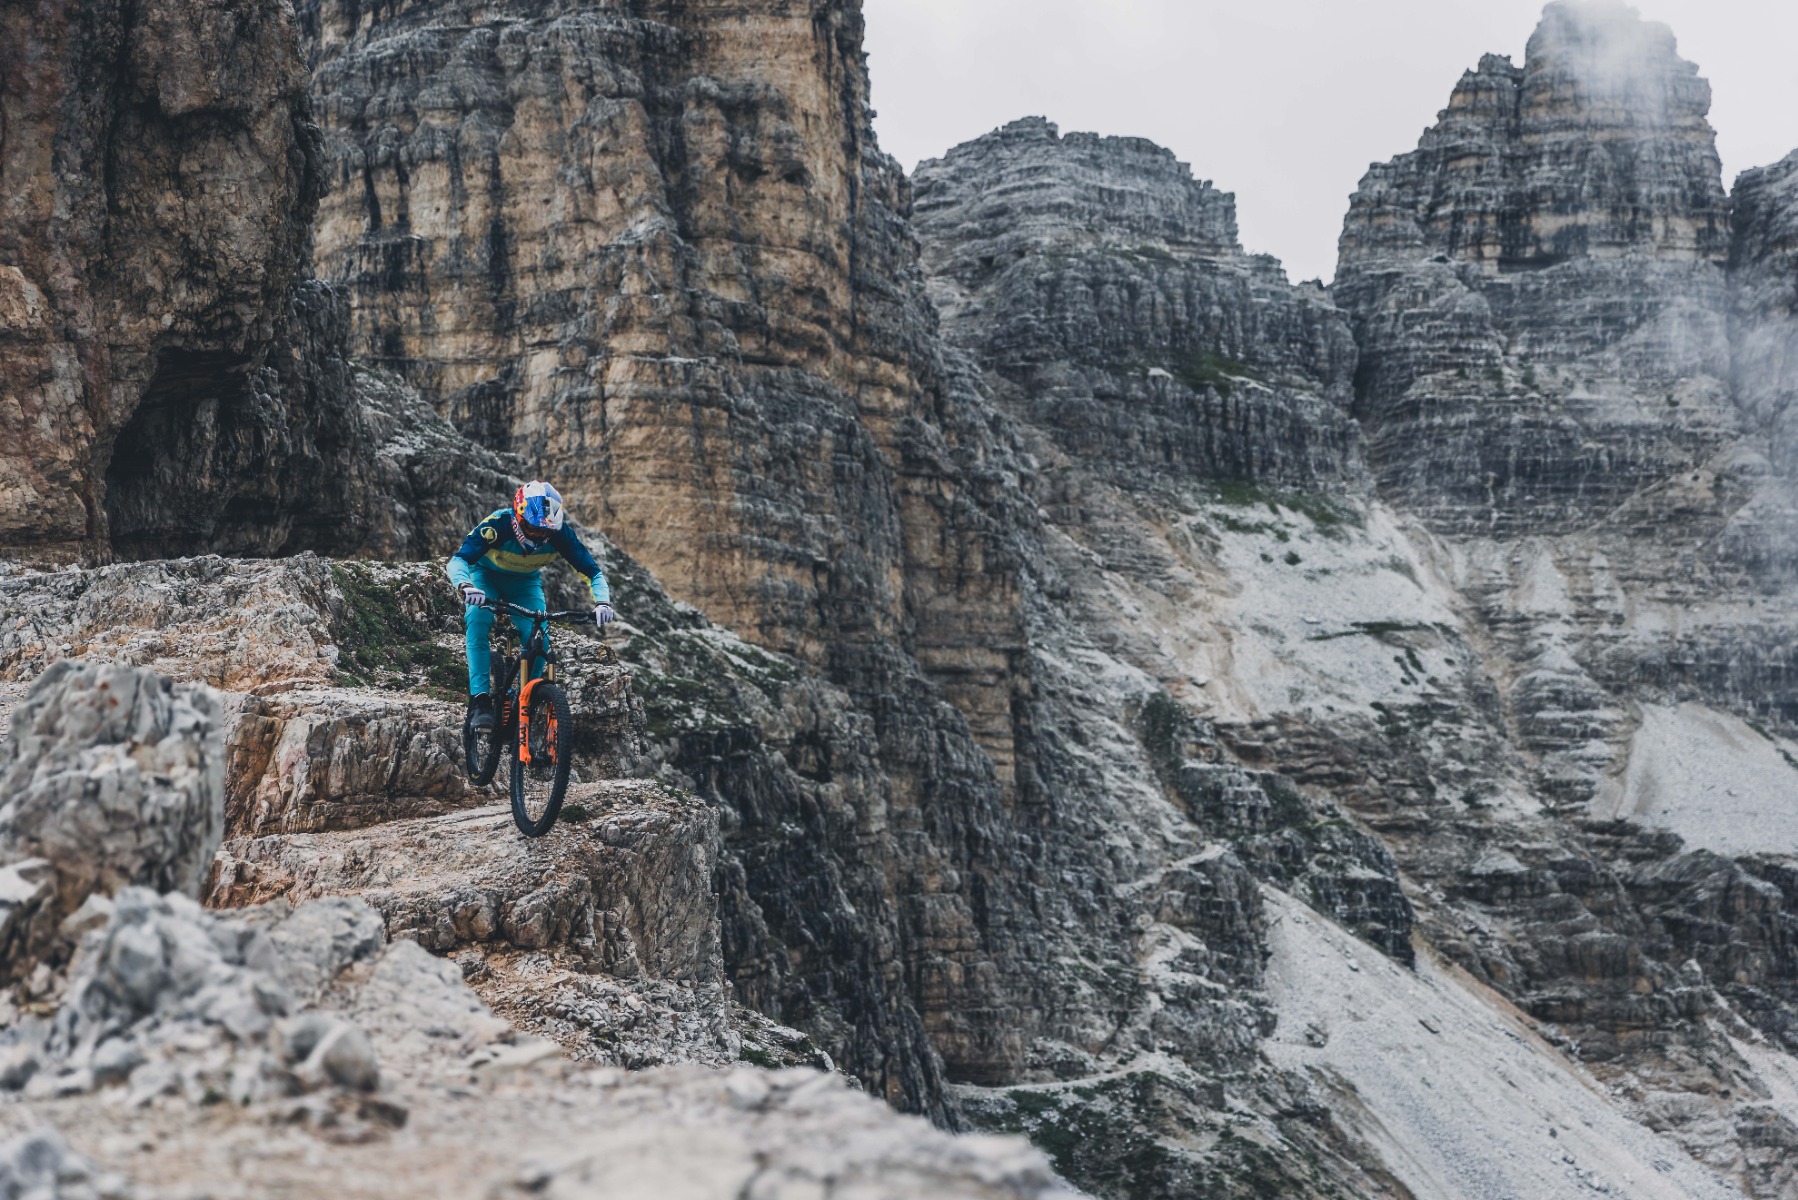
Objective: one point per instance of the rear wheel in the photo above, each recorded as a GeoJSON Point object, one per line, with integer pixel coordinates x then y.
{"type": "Point", "coordinates": [481, 749]}
{"type": "Point", "coordinates": [538, 785]}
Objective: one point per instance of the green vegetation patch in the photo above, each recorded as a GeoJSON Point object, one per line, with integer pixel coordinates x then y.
{"type": "Point", "coordinates": [1330, 516]}
{"type": "Point", "coordinates": [1100, 1137]}
{"type": "Point", "coordinates": [1206, 369]}
{"type": "Point", "coordinates": [386, 634]}
{"type": "Point", "coordinates": [1383, 630]}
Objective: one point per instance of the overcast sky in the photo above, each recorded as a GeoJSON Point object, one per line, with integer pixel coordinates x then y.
{"type": "Point", "coordinates": [1284, 102]}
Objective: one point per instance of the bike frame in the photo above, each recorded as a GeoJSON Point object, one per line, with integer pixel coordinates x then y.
{"type": "Point", "coordinates": [530, 648]}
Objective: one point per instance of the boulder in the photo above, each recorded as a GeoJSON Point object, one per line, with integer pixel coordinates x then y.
{"type": "Point", "coordinates": [170, 1000]}
{"type": "Point", "coordinates": [111, 776]}
{"type": "Point", "coordinates": [40, 1165]}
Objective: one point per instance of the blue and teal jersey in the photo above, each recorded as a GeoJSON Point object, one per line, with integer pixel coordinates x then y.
{"type": "Point", "coordinates": [495, 544]}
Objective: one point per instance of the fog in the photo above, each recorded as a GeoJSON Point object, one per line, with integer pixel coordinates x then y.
{"type": "Point", "coordinates": [1284, 102]}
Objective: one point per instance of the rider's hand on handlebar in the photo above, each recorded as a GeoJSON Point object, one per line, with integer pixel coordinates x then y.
{"type": "Point", "coordinates": [473, 596]}
{"type": "Point", "coordinates": [603, 615]}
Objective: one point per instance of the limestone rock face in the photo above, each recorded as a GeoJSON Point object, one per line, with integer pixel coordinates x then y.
{"type": "Point", "coordinates": [660, 255]}
{"type": "Point", "coordinates": [112, 777]}
{"type": "Point", "coordinates": [1547, 639]}
{"type": "Point", "coordinates": [174, 387]}
{"type": "Point", "coordinates": [1571, 373]}
{"type": "Point", "coordinates": [159, 175]}
{"type": "Point", "coordinates": [997, 690]}
{"type": "Point", "coordinates": [655, 253]}
{"type": "Point", "coordinates": [1105, 293]}
{"type": "Point", "coordinates": [1538, 290]}
{"type": "Point", "coordinates": [1764, 270]}
{"type": "Point", "coordinates": [1550, 345]}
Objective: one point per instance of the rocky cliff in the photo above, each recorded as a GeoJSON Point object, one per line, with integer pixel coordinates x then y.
{"type": "Point", "coordinates": [1542, 659]}
{"type": "Point", "coordinates": [173, 386]}
{"type": "Point", "coordinates": [1569, 376]}
{"type": "Point", "coordinates": [1105, 294]}
{"type": "Point", "coordinates": [1554, 249]}
{"type": "Point", "coordinates": [681, 280]}
{"type": "Point", "coordinates": [658, 254]}
{"type": "Point", "coordinates": [1765, 219]}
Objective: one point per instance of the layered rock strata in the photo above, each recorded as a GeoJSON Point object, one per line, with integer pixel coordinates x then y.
{"type": "Point", "coordinates": [677, 276]}
{"type": "Point", "coordinates": [964, 847]}
{"type": "Point", "coordinates": [159, 175]}
{"type": "Point", "coordinates": [1762, 268]}
{"type": "Point", "coordinates": [1468, 687]}
{"type": "Point", "coordinates": [1539, 292]}
{"type": "Point", "coordinates": [173, 387]}
{"type": "Point", "coordinates": [627, 885]}
{"type": "Point", "coordinates": [1105, 294]}
{"type": "Point", "coordinates": [1028, 727]}
{"type": "Point", "coordinates": [685, 286]}
{"type": "Point", "coordinates": [1569, 374]}
{"type": "Point", "coordinates": [1543, 288]}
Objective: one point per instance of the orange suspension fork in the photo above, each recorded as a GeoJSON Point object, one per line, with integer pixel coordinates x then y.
{"type": "Point", "coordinates": [524, 722]}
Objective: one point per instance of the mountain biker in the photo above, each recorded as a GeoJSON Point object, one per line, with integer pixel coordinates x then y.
{"type": "Point", "coordinates": [501, 558]}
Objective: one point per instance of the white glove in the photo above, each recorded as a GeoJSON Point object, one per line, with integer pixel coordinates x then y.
{"type": "Point", "coordinates": [472, 595]}
{"type": "Point", "coordinates": [603, 615]}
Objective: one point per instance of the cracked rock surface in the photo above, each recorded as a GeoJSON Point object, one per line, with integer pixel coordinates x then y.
{"type": "Point", "coordinates": [182, 1046]}
{"type": "Point", "coordinates": [110, 776]}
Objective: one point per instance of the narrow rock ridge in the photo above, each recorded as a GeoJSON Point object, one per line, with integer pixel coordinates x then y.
{"type": "Point", "coordinates": [591, 939]}
{"type": "Point", "coordinates": [185, 1046]}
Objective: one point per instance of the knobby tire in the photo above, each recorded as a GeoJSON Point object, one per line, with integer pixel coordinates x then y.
{"type": "Point", "coordinates": [534, 812]}
{"type": "Point", "coordinates": [481, 752]}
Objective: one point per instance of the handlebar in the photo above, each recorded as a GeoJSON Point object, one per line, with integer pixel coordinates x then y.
{"type": "Point", "coordinates": [570, 616]}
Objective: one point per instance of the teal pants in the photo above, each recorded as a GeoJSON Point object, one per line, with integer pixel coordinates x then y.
{"type": "Point", "coordinates": [526, 591]}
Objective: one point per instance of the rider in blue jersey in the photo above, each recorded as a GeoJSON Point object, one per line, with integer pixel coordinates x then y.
{"type": "Point", "coordinates": [501, 557]}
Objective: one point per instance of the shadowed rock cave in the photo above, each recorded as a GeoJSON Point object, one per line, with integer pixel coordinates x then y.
{"type": "Point", "coordinates": [192, 472]}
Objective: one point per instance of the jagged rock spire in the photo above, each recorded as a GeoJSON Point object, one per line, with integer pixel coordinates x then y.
{"type": "Point", "coordinates": [1598, 146]}
{"type": "Point", "coordinates": [1538, 291]}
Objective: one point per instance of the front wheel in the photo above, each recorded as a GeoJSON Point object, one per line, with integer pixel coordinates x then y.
{"type": "Point", "coordinates": [540, 757]}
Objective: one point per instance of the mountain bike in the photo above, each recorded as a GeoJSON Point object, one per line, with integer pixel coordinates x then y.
{"type": "Point", "coordinates": [533, 723]}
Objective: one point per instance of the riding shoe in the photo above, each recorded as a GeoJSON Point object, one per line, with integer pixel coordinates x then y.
{"type": "Point", "coordinates": [480, 713]}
